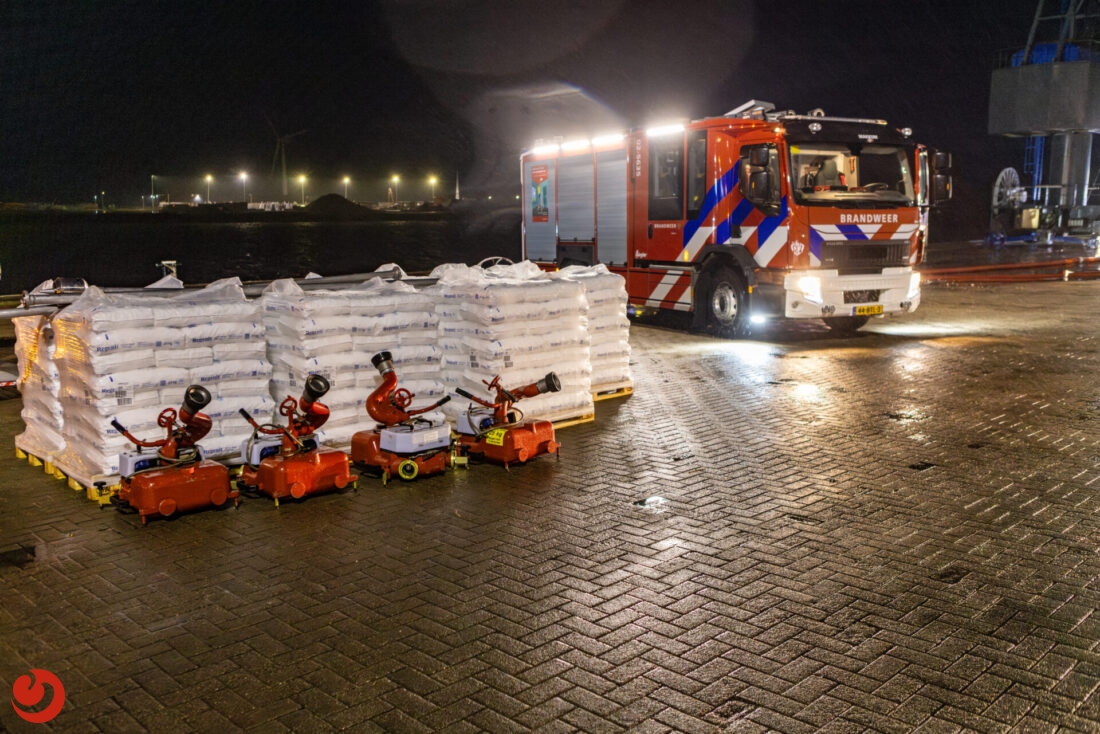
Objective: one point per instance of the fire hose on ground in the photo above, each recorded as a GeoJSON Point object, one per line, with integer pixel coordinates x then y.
{"type": "Point", "coordinates": [1076, 268]}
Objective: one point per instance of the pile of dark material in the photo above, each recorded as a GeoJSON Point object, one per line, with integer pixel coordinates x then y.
{"type": "Point", "coordinates": [334, 206]}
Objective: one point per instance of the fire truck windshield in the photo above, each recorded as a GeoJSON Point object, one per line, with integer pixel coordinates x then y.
{"type": "Point", "coordinates": [851, 175]}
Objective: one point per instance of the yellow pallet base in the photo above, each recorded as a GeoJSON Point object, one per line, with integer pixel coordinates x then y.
{"type": "Point", "coordinates": [102, 496]}
{"type": "Point", "coordinates": [609, 394]}
{"type": "Point", "coordinates": [97, 495]}
{"type": "Point", "coordinates": [46, 464]}
{"type": "Point", "coordinates": [574, 421]}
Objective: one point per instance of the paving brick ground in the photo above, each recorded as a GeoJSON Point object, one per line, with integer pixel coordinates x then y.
{"type": "Point", "coordinates": [898, 531]}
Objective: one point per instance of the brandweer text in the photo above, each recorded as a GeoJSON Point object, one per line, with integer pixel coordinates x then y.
{"type": "Point", "coordinates": [868, 218]}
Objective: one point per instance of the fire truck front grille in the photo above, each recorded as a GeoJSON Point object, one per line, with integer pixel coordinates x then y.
{"type": "Point", "coordinates": [869, 296]}
{"type": "Point", "coordinates": [864, 256]}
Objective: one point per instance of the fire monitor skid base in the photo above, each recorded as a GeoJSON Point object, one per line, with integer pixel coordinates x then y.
{"type": "Point", "coordinates": [286, 461]}
{"type": "Point", "coordinates": [403, 444]}
{"type": "Point", "coordinates": [174, 476]}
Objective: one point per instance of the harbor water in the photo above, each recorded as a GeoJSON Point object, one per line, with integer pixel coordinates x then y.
{"type": "Point", "coordinates": [125, 251]}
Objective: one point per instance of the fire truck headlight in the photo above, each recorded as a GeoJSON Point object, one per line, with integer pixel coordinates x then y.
{"type": "Point", "coordinates": [914, 286]}
{"type": "Point", "coordinates": [810, 285]}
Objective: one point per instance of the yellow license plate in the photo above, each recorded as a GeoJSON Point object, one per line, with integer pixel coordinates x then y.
{"type": "Point", "coordinates": [872, 310]}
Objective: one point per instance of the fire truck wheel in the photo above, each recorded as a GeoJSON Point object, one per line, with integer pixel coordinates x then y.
{"type": "Point", "coordinates": [722, 298]}
{"type": "Point", "coordinates": [408, 470]}
{"type": "Point", "coordinates": [845, 324]}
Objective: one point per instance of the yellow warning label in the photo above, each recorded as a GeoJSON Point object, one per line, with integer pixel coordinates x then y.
{"type": "Point", "coordinates": [495, 437]}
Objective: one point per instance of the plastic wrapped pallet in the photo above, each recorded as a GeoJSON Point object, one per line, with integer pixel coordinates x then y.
{"type": "Point", "coordinates": [309, 333]}
{"type": "Point", "coordinates": [398, 318]}
{"type": "Point", "coordinates": [40, 387]}
{"type": "Point", "coordinates": [608, 324]}
{"type": "Point", "coordinates": [129, 356]}
{"type": "Point", "coordinates": [336, 333]}
{"type": "Point", "coordinates": [516, 322]}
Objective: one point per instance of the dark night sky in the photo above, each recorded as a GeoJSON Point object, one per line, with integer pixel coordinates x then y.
{"type": "Point", "coordinates": [100, 96]}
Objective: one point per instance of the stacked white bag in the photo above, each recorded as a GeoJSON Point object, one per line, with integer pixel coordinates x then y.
{"type": "Point", "coordinates": [40, 386]}
{"type": "Point", "coordinates": [336, 333]}
{"type": "Point", "coordinates": [129, 356]}
{"type": "Point", "coordinates": [311, 333]}
{"type": "Point", "coordinates": [608, 324]}
{"type": "Point", "coordinates": [399, 319]}
{"type": "Point", "coordinates": [514, 321]}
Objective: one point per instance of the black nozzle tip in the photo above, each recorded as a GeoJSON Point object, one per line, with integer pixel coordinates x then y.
{"type": "Point", "coordinates": [316, 386]}
{"type": "Point", "coordinates": [380, 358]}
{"type": "Point", "coordinates": [550, 382]}
{"type": "Point", "coordinates": [195, 398]}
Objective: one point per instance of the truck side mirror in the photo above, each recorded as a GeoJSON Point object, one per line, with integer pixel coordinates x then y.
{"type": "Point", "coordinates": [941, 161]}
{"type": "Point", "coordinates": [758, 156]}
{"type": "Point", "coordinates": [760, 185]}
{"type": "Point", "coordinates": [941, 187]}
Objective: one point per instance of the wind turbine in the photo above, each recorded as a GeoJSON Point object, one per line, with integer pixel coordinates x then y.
{"type": "Point", "coordinates": [280, 152]}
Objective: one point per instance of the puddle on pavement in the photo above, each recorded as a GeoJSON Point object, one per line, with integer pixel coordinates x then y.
{"type": "Point", "coordinates": [654, 504]}
{"type": "Point", "coordinates": [951, 575]}
{"type": "Point", "coordinates": [18, 557]}
{"type": "Point", "coordinates": [905, 417]}
{"type": "Point", "coordinates": [962, 342]}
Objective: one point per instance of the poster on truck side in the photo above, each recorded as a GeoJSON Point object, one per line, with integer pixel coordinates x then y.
{"type": "Point", "coordinates": [540, 208]}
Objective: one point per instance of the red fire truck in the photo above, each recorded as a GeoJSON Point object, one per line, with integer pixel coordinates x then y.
{"type": "Point", "coordinates": [753, 215]}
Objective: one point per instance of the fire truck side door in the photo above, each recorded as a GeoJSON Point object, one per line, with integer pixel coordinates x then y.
{"type": "Point", "coordinates": [660, 207]}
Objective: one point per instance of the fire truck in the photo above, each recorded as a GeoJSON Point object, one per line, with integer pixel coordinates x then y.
{"type": "Point", "coordinates": [754, 215]}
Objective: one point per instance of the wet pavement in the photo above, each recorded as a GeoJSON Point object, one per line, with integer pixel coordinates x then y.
{"type": "Point", "coordinates": [896, 531]}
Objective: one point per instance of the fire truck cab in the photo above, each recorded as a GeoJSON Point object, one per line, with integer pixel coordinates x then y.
{"type": "Point", "coordinates": [737, 219]}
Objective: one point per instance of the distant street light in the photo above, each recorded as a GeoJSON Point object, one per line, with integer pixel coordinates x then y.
{"type": "Point", "coordinates": [152, 192]}
{"type": "Point", "coordinates": [432, 181]}
{"type": "Point", "coordinates": [244, 186]}
{"type": "Point", "coordinates": [209, 178]}
{"type": "Point", "coordinates": [396, 179]}
{"type": "Point", "coordinates": [347, 180]}
{"type": "Point", "coordinates": [302, 180]}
